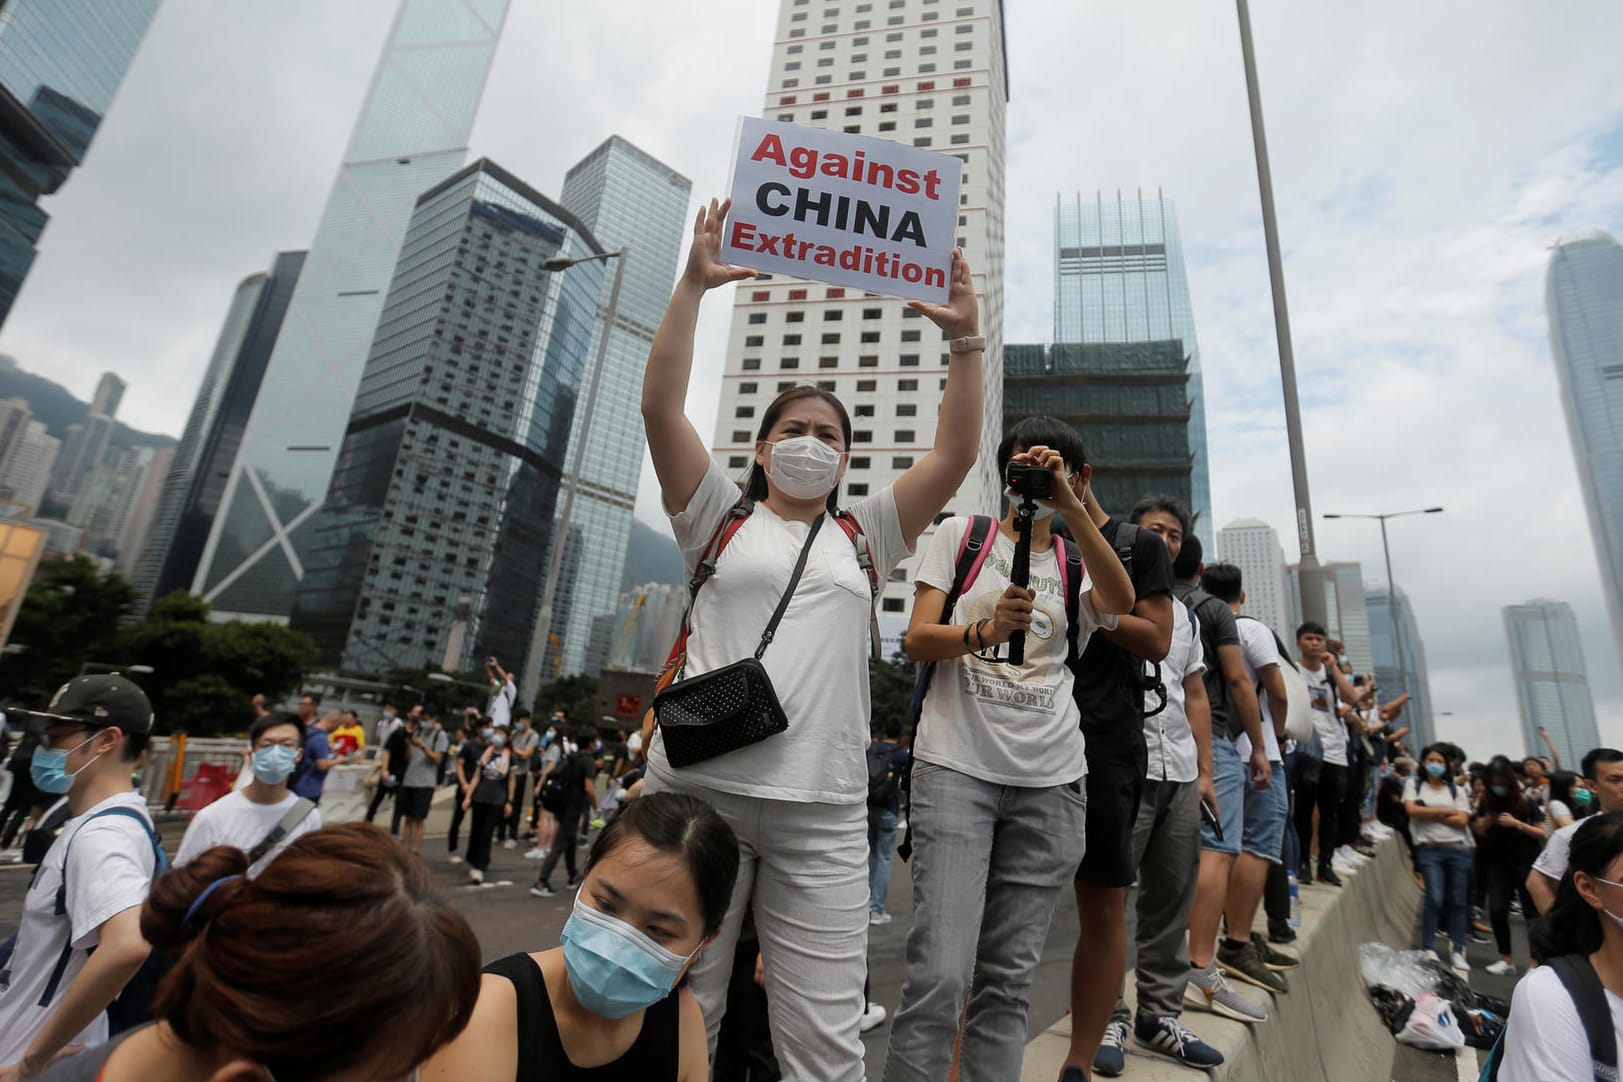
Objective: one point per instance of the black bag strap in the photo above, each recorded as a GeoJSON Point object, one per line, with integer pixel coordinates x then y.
{"type": "Point", "coordinates": [1072, 566]}
{"type": "Point", "coordinates": [290, 819]}
{"type": "Point", "coordinates": [706, 568]}
{"type": "Point", "coordinates": [976, 538]}
{"type": "Point", "coordinates": [1589, 996]}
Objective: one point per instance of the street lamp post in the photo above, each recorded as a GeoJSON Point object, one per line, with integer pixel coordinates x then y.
{"type": "Point", "coordinates": [1391, 584]}
{"type": "Point", "coordinates": [103, 667]}
{"type": "Point", "coordinates": [549, 592]}
{"type": "Point", "coordinates": [1311, 578]}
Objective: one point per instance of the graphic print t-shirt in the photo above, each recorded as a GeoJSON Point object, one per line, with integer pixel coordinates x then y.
{"type": "Point", "coordinates": [1321, 696]}
{"type": "Point", "coordinates": [1013, 725]}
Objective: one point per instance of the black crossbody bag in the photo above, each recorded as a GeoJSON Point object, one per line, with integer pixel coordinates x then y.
{"type": "Point", "coordinates": [729, 708]}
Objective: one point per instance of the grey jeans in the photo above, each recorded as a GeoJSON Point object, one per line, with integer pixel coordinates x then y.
{"type": "Point", "coordinates": [989, 864]}
{"type": "Point", "coordinates": [1166, 849]}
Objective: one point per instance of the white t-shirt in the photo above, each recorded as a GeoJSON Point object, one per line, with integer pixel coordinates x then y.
{"type": "Point", "coordinates": [1557, 851]}
{"type": "Point", "coordinates": [1000, 723]}
{"type": "Point", "coordinates": [1435, 831]}
{"type": "Point", "coordinates": [501, 705]}
{"type": "Point", "coordinates": [818, 662]}
{"type": "Point", "coordinates": [1554, 812]}
{"type": "Point", "coordinates": [386, 728]}
{"type": "Point", "coordinates": [1171, 743]}
{"type": "Point", "coordinates": [112, 871]}
{"type": "Point", "coordinates": [634, 747]}
{"type": "Point", "coordinates": [236, 820]}
{"type": "Point", "coordinates": [1544, 1040]}
{"type": "Point", "coordinates": [1321, 695]}
{"type": "Point", "coordinates": [1258, 650]}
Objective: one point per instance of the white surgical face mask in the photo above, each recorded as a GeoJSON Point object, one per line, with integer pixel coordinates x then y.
{"type": "Point", "coordinates": [804, 467]}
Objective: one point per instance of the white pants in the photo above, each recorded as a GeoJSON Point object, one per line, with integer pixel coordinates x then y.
{"type": "Point", "coordinates": [803, 868]}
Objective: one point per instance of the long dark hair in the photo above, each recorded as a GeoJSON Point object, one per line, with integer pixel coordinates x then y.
{"type": "Point", "coordinates": [755, 488]}
{"type": "Point", "coordinates": [1500, 769]}
{"type": "Point", "coordinates": [1573, 926]}
{"type": "Point", "coordinates": [686, 827]}
{"type": "Point", "coordinates": [1562, 783]}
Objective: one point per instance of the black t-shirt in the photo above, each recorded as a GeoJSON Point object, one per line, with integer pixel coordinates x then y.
{"type": "Point", "coordinates": [398, 749]}
{"type": "Point", "coordinates": [468, 756]}
{"type": "Point", "coordinates": [1107, 689]}
{"type": "Point", "coordinates": [1217, 628]}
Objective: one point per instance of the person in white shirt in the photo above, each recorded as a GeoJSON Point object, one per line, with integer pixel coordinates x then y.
{"type": "Point", "coordinates": [1439, 821]}
{"type": "Point", "coordinates": [1603, 769]}
{"type": "Point", "coordinates": [797, 799]}
{"type": "Point", "coordinates": [260, 818]}
{"type": "Point", "coordinates": [1325, 684]}
{"type": "Point", "coordinates": [998, 808]}
{"type": "Point", "coordinates": [503, 693]}
{"type": "Point", "coordinates": [80, 941]}
{"type": "Point", "coordinates": [1581, 941]}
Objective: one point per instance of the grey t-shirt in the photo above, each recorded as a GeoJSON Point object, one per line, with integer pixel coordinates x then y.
{"type": "Point", "coordinates": [421, 771]}
{"type": "Point", "coordinates": [85, 1066]}
{"type": "Point", "coordinates": [523, 744]}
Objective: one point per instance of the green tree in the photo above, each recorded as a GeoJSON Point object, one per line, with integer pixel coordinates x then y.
{"type": "Point", "coordinates": [410, 686]}
{"type": "Point", "coordinates": [576, 696]}
{"type": "Point", "coordinates": [70, 615]}
{"type": "Point", "coordinates": [890, 685]}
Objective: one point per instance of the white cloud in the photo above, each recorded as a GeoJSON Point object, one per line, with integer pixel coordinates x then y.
{"type": "Point", "coordinates": [1424, 157]}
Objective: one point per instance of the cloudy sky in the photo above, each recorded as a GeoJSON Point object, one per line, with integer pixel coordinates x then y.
{"type": "Point", "coordinates": [1425, 158]}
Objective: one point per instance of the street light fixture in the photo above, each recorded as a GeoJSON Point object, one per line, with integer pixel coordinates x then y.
{"type": "Point", "coordinates": [571, 479]}
{"type": "Point", "coordinates": [103, 667]}
{"type": "Point", "coordinates": [447, 678]}
{"type": "Point", "coordinates": [1391, 584]}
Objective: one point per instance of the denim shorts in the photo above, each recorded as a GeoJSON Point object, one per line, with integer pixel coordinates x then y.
{"type": "Point", "coordinates": [1266, 811]}
{"type": "Point", "coordinates": [1228, 777]}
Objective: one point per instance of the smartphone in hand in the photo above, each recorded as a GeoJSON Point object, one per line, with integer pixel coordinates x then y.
{"type": "Point", "coordinates": [1209, 817]}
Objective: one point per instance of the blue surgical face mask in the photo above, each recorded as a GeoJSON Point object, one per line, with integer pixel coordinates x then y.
{"type": "Point", "coordinates": [49, 769]}
{"type": "Point", "coordinates": [1437, 770]}
{"type": "Point", "coordinates": [1582, 797]}
{"type": "Point", "coordinates": [615, 970]}
{"type": "Point", "coordinates": [487, 733]}
{"type": "Point", "coordinates": [1499, 790]}
{"type": "Point", "coordinates": [498, 740]}
{"type": "Point", "coordinates": [274, 764]}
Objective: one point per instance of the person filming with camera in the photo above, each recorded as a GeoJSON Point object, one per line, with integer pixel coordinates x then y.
{"type": "Point", "coordinates": [998, 808]}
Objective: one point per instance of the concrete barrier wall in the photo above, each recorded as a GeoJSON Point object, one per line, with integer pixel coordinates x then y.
{"type": "Point", "coordinates": [1325, 1028]}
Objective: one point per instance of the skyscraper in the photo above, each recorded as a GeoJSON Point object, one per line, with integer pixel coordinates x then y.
{"type": "Point", "coordinates": [1552, 685]}
{"type": "Point", "coordinates": [448, 478]}
{"type": "Point", "coordinates": [1583, 296]}
{"type": "Point", "coordinates": [25, 474]}
{"type": "Point", "coordinates": [142, 508]}
{"type": "Point", "coordinates": [191, 495]}
{"type": "Point", "coordinates": [632, 202]}
{"type": "Point", "coordinates": [60, 66]}
{"type": "Point", "coordinates": [109, 393]}
{"type": "Point", "coordinates": [15, 417]}
{"type": "Point", "coordinates": [912, 70]}
{"type": "Point", "coordinates": [1253, 546]}
{"type": "Point", "coordinates": [82, 452]}
{"type": "Point", "coordinates": [412, 133]}
{"type": "Point", "coordinates": [1412, 676]}
{"type": "Point", "coordinates": [1119, 277]}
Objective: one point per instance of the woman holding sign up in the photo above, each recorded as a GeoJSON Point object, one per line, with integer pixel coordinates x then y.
{"type": "Point", "coordinates": [767, 719]}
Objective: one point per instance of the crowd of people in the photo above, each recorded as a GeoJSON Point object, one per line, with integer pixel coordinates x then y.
{"type": "Point", "coordinates": [1095, 710]}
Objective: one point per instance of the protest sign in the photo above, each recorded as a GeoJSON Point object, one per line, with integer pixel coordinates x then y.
{"type": "Point", "coordinates": [845, 209]}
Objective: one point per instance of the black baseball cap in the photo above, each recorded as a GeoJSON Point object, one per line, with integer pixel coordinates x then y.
{"type": "Point", "coordinates": [108, 701]}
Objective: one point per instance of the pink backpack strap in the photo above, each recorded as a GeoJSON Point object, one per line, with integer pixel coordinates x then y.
{"type": "Point", "coordinates": [859, 540]}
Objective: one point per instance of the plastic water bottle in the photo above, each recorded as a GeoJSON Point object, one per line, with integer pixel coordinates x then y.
{"type": "Point", "coordinates": [1296, 901]}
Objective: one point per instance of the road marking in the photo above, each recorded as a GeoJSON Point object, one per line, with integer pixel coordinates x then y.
{"type": "Point", "coordinates": [1466, 1067]}
{"type": "Point", "coordinates": [487, 886]}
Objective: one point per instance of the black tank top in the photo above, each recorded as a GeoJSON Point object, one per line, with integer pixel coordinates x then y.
{"type": "Point", "coordinates": [654, 1056]}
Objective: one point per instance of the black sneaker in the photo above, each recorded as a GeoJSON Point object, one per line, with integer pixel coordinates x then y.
{"type": "Point", "coordinates": [543, 890]}
{"type": "Point", "coordinates": [1278, 961]}
{"type": "Point", "coordinates": [1304, 874]}
{"type": "Point", "coordinates": [1281, 932]}
{"type": "Point", "coordinates": [1244, 964]}
{"type": "Point", "coordinates": [1328, 876]}
{"type": "Point", "coordinates": [574, 881]}
{"type": "Point", "coordinates": [1170, 1039]}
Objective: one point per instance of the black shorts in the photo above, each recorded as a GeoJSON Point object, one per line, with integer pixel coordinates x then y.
{"type": "Point", "coordinates": [1116, 766]}
{"type": "Point", "coordinates": [414, 802]}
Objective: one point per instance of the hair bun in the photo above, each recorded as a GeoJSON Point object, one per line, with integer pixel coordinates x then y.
{"type": "Point", "coordinates": [164, 921]}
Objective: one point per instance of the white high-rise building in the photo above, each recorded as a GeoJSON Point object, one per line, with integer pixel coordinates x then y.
{"type": "Point", "coordinates": [1345, 606]}
{"type": "Point", "coordinates": [926, 72]}
{"type": "Point", "coordinates": [1552, 684]}
{"type": "Point", "coordinates": [1253, 546]}
{"type": "Point", "coordinates": [25, 473]}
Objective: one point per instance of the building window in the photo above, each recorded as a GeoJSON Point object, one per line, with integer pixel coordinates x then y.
{"type": "Point", "coordinates": [922, 141]}
{"type": "Point", "coordinates": [872, 313]}
{"type": "Point", "coordinates": [960, 65]}
{"type": "Point", "coordinates": [864, 410]}
{"type": "Point", "coordinates": [788, 340]}
{"type": "Point", "coordinates": [961, 118]}
{"type": "Point", "coordinates": [819, 114]}
{"type": "Point", "coordinates": [855, 110]}
{"type": "Point", "coordinates": [924, 122]}
{"type": "Point", "coordinates": [753, 341]}
{"type": "Point", "coordinates": [960, 99]}
{"type": "Point", "coordinates": [757, 317]}
{"type": "Point", "coordinates": [857, 488]}
{"type": "Point", "coordinates": [868, 360]}
{"type": "Point", "coordinates": [862, 435]}
{"type": "Point", "coordinates": [761, 295]}
{"type": "Point", "coordinates": [828, 362]}
{"type": "Point", "coordinates": [907, 385]}
{"type": "Point", "coordinates": [751, 364]}
{"type": "Point", "coordinates": [833, 315]}
{"type": "Point", "coordinates": [901, 462]}
{"type": "Point", "coordinates": [746, 388]}
{"type": "Point", "coordinates": [785, 363]}
{"type": "Point", "coordinates": [909, 360]}
{"type": "Point", "coordinates": [870, 336]}
{"type": "Point", "coordinates": [907, 409]}
{"type": "Point", "coordinates": [794, 317]}
{"type": "Point", "coordinates": [859, 463]}
{"type": "Point", "coordinates": [866, 385]}
{"type": "Point", "coordinates": [797, 294]}
{"type": "Point", "coordinates": [741, 435]}
{"type": "Point", "coordinates": [744, 411]}
{"type": "Point", "coordinates": [887, 125]}
{"type": "Point", "coordinates": [960, 139]}
{"type": "Point", "coordinates": [831, 339]}
{"type": "Point", "coordinates": [737, 462]}
{"type": "Point", "coordinates": [904, 435]}
{"type": "Point", "coordinates": [895, 604]}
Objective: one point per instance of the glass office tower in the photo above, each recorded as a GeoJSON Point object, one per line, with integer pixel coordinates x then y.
{"type": "Point", "coordinates": [633, 202]}
{"type": "Point", "coordinates": [60, 66]}
{"type": "Point", "coordinates": [1418, 714]}
{"type": "Point", "coordinates": [447, 481]}
{"type": "Point", "coordinates": [190, 499]}
{"type": "Point", "coordinates": [411, 135]}
{"type": "Point", "coordinates": [1119, 278]}
{"type": "Point", "coordinates": [1584, 300]}
{"type": "Point", "coordinates": [1552, 685]}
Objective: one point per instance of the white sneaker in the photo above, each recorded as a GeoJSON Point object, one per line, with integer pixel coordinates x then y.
{"type": "Point", "coordinates": [1500, 968]}
{"type": "Point", "coordinates": [475, 875]}
{"type": "Point", "coordinates": [901, 828]}
{"type": "Point", "coordinates": [876, 917]}
{"type": "Point", "coordinates": [535, 854]}
{"type": "Point", "coordinates": [510, 844]}
{"type": "Point", "coordinates": [455, 858]}
{"type": "Point", "coordinates": [873, 1017]}
{"type": "Point", "coordinates": [1461, 966]}
{"type": "Point", "coordinates": [1352, 856]}
{"type": "Point", "coordinates": [1344, 867]}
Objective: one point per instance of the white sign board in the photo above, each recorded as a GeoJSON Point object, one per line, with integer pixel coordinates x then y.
{"type": "Point", "coordinates": [845, 209]}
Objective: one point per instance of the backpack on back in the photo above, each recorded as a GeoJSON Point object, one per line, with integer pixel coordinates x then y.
{"type": "Point", "coordinates": [1589, 997]}
{"type": "Point", "coordinates": [883, 783]}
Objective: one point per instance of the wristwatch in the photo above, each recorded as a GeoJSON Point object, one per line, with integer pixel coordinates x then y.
{"type": "Point", "coordinates": [968, 344]}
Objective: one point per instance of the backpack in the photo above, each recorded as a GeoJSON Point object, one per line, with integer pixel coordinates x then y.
{"type": "Point", "coordinates": [132, 1006]}
{"type": "Point", "coordinates": [1589, 996]}
{"type": "Point", "coordinates": [1139, 674]}
{"type": "Point", "coordinates": [1299, 708]}
{"type": "Point", "coordinates": [555, 790]}
{"type": "Point", "coordinates": [882, 781]}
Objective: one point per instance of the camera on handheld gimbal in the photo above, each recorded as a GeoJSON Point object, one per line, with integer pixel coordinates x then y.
{"type": "Point", "coordinates": [1030, 482]}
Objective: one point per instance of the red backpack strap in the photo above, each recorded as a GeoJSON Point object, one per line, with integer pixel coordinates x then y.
{"type": "Point", "coordinates": [853, 529]}
{"type": "Point", "coordinates": [972, 554]}
{"type": "Point", "coordinates": [725, 531]}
